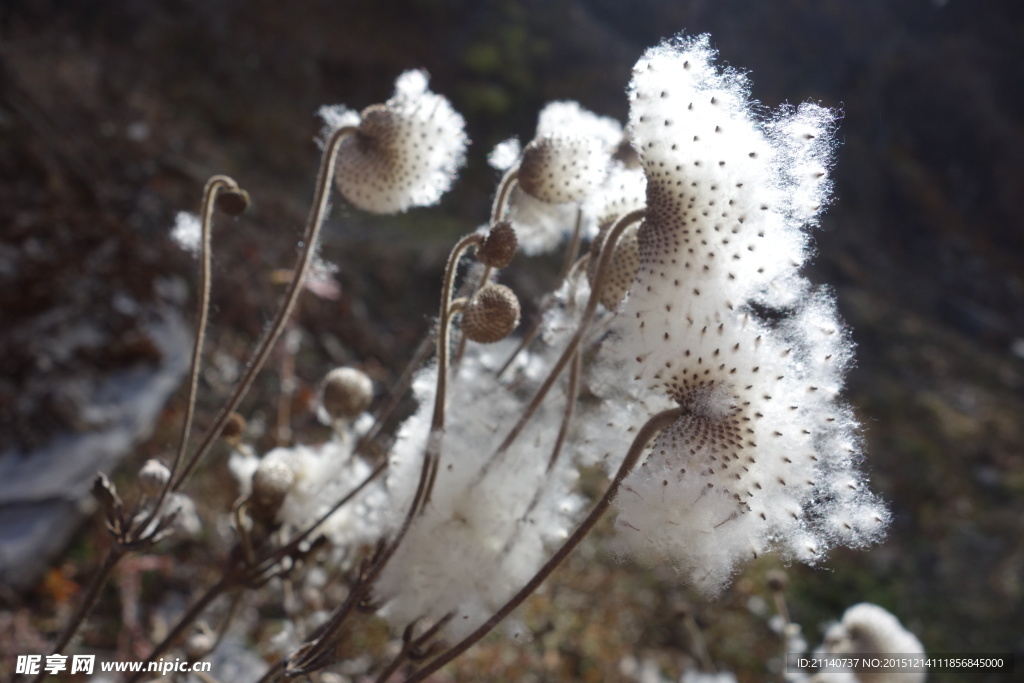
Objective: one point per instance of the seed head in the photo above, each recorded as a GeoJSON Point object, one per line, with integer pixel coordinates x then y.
{"type": "Point", "coordinates": [153, 476]}
{"type": "Point", "coordinates": [491, 315]}
{"type": "Point", "coordinates": [346, 393]}
{"type": "Point", "coordinates": [270, 485]}
{"type": "Point", "coordinates": [561, 169]}
{"type": "Point", "coordinates": [234, 429]}
{"type": "Point", "coordinates": [233, 202]}
{"type": "Point", "coordinates": [405, 152]}
{"type": "Point", "coordinates": [499, 246]}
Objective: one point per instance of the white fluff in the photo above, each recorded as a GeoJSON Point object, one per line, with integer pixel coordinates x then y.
{"type": "Point", "coordinates": [765, 457]}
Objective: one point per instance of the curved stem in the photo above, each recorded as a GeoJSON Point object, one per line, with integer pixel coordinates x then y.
{"type": "Point", "coordinates": [428, 473]}
{"type": "Point", "coordinates": [570, 408]}
{"type": "Point", "coordinates": [266, 344]}
{"type": "Point", "coordinates": [397, 391]}
{"type": "Point", "coordinates": [508, 182]}
{"type": "Point", "coordinates": [213, 187]}
{"type": "Point", "coordinates": [434, 440]}
{"type": "Point", "coordinates": [650, 429]}
{"type": "Point", "coordinates": [574, 343]}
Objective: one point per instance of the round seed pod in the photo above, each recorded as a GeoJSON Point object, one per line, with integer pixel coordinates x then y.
{"type": "Point", "coordinates": [622, 268]}
{"type": "Point", "coordinates": [491, 315]}
{"type": "Point", "coordinates": [270, 485]}
{"type": "Point", "coordinates": [560, 169]}
{"type": "Point", "coordinates": [200, 643]}
{"type": "Point", "coordinates": [346, 393]}
{"type": "Point", "coordinates": [233, 202]}
{"type": "Point", "coordinates": [234, 429]}
{"type": "Point", "coordinates": [499, 246]}
{"type": "Point", "coordinates": [153, 476]}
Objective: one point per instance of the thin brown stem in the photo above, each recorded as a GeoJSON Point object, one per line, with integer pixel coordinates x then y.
{"type": "Point", "coordinates": [213, 188]}
{"type": "Point", "coordinates": [397, 391]}
{"type": "Point", "coordinates": [266, 344]}
{"type": "Point", "coordinates": [574, 343]}
{"type": "Point", "coordinates": [288, 349]}
{"type": "Point", "coordinates": [570, 408]}
{"type": "Point", "coordinates": [92, 594]}
{"type": "Point", "coordinates": [700, 644]}
{"type": "Point", "coordinates": [501, 197]}
{"type": "Point", "coordinates": [411, 645]}
{"type": "Point", "coordinates": [650, 429]}
{"type": "Point", "coordinates": [435, 438]}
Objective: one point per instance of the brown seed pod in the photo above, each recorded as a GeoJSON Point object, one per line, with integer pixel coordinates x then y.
{"type": "Point", "coordinates": [491, 315]}
{"type": "Point", "coordinates": [234, 429]}
{"type": "Point", "coordinates": [233, 202]}
{"type": "Point", "coordinates": [346, 393]}
{"type": "Point", "coordinates": [499, 246]}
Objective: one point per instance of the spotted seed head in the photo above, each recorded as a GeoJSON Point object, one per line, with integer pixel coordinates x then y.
{"type": "Point", "coordinates": [405, 152]}
{"type": "Point", "coordinates": [491, 315]}
{"type": "Point", "coordinates": [499, 246]}
{"type": "Point", "coordinates": [720, 320]}
{"type": "Point", "coordinates": [562, 169]}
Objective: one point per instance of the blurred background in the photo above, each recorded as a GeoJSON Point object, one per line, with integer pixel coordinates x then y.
{"type": "Point", "coordinates": [113, 115]}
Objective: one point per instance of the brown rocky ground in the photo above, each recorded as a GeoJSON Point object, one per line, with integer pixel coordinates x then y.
{"type": "Point", "coordinates": [113, 115]}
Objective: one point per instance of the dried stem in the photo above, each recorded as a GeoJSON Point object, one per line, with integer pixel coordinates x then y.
{"type": "Point", "coordinates": [410, 645]}
{"type": "Point", "coordinates": [114, 555]}
{"type": "Point", "coordinates": [266, 344]}
{"type": "Point", "coordinates": [501, 197]}
{"type": "Point", "coordinates": [588, 313]}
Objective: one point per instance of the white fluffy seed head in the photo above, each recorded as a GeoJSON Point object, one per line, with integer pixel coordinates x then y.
{"type": "Point", "coordinates": [566, 163]}
{"type": "Point", "coordinates": [720, 320]}
{"type": "Point", "coordinates": [153, 476]}
{"type": "Point", "coordinates": [562, 169]}
{"type": "Point", "coordinates": [869, 629]}
{"type": "Point", "coordinates": [405, 152]}
{"type": "Point", "coordinates": [271, 483]}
